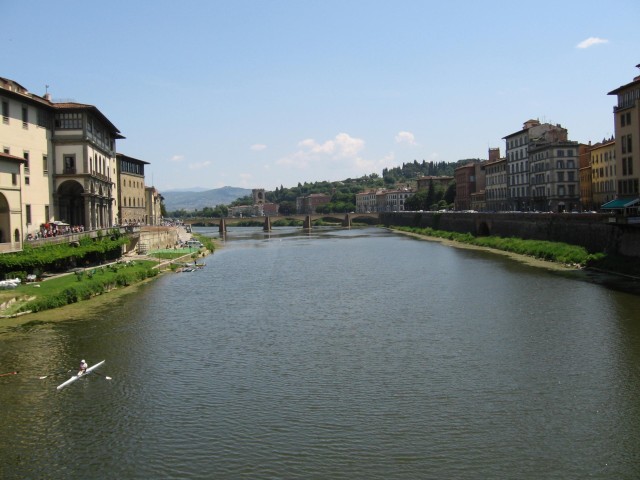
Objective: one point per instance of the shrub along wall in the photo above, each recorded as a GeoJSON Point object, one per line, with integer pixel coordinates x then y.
{"type": "Point", "coordinates": [61, 257]}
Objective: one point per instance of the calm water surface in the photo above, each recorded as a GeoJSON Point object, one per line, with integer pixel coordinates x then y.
{"type": "Point", "coordinates": [338, 354]}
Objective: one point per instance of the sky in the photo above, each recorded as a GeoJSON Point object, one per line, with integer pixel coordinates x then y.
{"type": "Point", "coordinates": [270, 93]}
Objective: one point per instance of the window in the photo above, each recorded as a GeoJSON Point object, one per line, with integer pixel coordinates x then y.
{"type": "Point", "coordinates": [14, 179]}
{"type": "Point", "coordinates": [561, 190]}
{"type": "Point", "coordinates": [25, 117]}
{"type": "Point", "coordinates": [561, 153]}
{"type": "Point", "coordinates": [26, 165]}
{"type": "Point", "coordinates": [69, 121]}
{"type": "Point", "coordinates": [560, 164]}
{"type": "Point", "coordinates": [5, 111]}
{"type": "Point", "coordinates": [27, 181]}
{"type": "Point", "coordinates": [27, 211]}
{"type": "Point", "coordinates": [45, 164]}
{"type": "Point", "coordinates": [46, 213]}
{"type": "Point", "coordinates": [69, 164]}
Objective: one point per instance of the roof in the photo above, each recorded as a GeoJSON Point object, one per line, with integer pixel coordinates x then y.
{"type": "Point", "coordinates": [620, 203]}
{"type": "Point", "coordinates": [624, 87]}
{"type": "Point", "coordinates": [6, 156]}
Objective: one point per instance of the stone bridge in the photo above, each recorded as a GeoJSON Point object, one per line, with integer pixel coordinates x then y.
{"type": "Point", "coordinates": [307, 220]}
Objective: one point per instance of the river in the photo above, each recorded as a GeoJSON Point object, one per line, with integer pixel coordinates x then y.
{"type": "Point", "coordinates": [334, 354]}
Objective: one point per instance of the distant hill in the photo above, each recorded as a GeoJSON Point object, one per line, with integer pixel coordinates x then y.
{"type": "Point", "coordinates": [194, 200]}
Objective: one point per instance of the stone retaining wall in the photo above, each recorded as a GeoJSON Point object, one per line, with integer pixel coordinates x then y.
{"type": "Point", "coordinates": [595, 232]}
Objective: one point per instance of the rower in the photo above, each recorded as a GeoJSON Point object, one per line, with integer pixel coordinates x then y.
{"type": "Point", "coordinates": [83, 367]}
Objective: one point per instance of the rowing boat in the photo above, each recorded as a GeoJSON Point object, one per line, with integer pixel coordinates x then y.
{"type": "Point", "coordinates": [76, 377]}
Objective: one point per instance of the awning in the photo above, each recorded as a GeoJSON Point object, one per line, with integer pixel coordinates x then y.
{"type": "Point", "coordinates": [620, 203]}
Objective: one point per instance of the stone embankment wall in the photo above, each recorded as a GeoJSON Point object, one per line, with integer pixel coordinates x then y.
{"type": "Point", "coordinates": [595, 232]}
{"type": "Point", "coordinates": [156, 238]}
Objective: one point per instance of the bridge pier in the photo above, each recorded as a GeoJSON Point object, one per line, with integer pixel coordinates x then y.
{"type": "Point", "coordinates": [347, 221]}
{"type": "Point", "coordinates": [307, 222]}
{"type": "Point", "coordinates": [267, 224]}
{"type": "Point", "coordinates": [222, 226]}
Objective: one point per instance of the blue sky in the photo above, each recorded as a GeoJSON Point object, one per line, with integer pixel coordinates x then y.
{"type": "Point", "coordinates": [263, 93]}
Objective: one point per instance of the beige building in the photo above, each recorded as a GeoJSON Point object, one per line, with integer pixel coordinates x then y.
{"type": "Point", "coordinates": [10, 203]}
{"type": "Point", "coordinates": [26, 133]}
{"type": "Point", "coordinates": [131, 190]}
{"type": "Point", "coordinates": [68, 150]}
{"type": "Point", "coordinates": [627, 141]}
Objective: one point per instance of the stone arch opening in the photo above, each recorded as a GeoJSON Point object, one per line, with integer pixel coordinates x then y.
{"type": "Point", "coordinates": [71, 203]}
{"type": "Point", "coordinates": [483, 229]}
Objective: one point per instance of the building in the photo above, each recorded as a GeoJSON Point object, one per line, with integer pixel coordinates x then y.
{"type": "Point", "coordinates": [10, 203]}
{"type": "Point", "coordinates": [131, 190]}
{"type": "Point", "coordinates": [393, 200]}
{"type": "Point", "coordinates": [554, 175]}
{"type": "Point", "coordinates": [627, 139]}
{"type": "Point", "coordinates": [602, 162]}
{"type": "Point", "coordinates": [496, 199]}
{"type": "Point", "coordinates": [366, 201]}
{"type": "Point", "coordinates": [518, 168]}
{"type": "Point", "coordinates": [68, 148]}
{"type": "Point", "coordinates": [465, 177]}
{"type": "Point", "coordinates": [153, 205]}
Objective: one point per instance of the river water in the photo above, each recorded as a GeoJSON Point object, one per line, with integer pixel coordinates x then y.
{"type": "Point", "coordinates": [335, 354]}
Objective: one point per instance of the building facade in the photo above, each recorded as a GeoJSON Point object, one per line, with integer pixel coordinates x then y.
{"type": "Point", "coordinates": [602, 161]}
{"type": "Point", "coordinates": [627, 138]}
{"type": "Point", "coordinates": [131, 190]}
{"type": "Point", "coordinates": [496, 199]}
{"type": "Point", "coordinates": [518, 168]}
{"type": "Point", "coordinates": [68, 173]}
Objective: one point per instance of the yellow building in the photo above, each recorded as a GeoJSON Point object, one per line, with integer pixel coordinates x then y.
{"type": "Point", "coordinates": [603, 172]}
{"type": "Point", "coordinates": [131, 191]}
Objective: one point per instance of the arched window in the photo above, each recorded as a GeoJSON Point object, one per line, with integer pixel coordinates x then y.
{"type": "Point", "coordinates": [16, 236]}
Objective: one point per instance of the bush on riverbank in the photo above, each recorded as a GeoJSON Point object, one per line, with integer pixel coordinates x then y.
{"type": "Point", "coordinates": [550, 251]}
{"type": "Point", "coordinates": [62, 257]}
{"type": "Point", "coordinates": [63, 290]}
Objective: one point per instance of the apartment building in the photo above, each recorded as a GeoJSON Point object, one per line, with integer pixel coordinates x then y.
{"type": "Point", "coordinates": [517, 154]}
{"type": "Point", "coordinates": [627, 139]}
{"type": "Point", "coordinates": [393, 200]}
{"type": "Point", "coordinates": [366, 201]}
{"type": "Point", "coordinates": [554, 175]}
{"type": "Point", "coordinates": [496, 198]}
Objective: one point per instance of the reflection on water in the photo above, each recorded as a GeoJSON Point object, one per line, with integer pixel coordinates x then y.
{"type": "Point", "coordinates": [332, 354]}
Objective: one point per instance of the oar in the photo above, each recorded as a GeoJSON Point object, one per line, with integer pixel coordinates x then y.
{"type": "Point", "coordinates": [101, 374]}
{"type": "Point", "coordinates": [56, 373]}
{"type": "Point", "coordinates": [10, 373]}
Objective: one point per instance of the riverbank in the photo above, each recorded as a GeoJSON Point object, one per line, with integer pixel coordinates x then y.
{"type": "Point", "coordinates": [529, 260]}
{"type": "Point", "coordinates": [93, 285]}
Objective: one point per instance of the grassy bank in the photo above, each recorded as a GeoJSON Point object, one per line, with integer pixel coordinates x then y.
{"type": "Point", "coordinates": [543, 250]}
{"type": "Point", "coordinates": [74, 287]}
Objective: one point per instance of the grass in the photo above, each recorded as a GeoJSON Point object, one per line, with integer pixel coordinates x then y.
{"type": "Point", "coordinates": [551, 251]}
{"type": "Point", "coordinates": [74, 287]}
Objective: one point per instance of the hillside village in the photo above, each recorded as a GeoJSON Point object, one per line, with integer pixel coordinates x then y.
{"type": "Point", "coordinates": [60, 171]}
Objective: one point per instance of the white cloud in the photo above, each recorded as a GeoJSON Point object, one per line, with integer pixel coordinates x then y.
{"type": "Point", "coordinates": [258, 147]}
{"type": "Point", "coordinates": [343, 146]}
{"type": "Point", "coordinates": [591, 41]}
{"type": "Point", "coordinates": [199, 166]}
{"type": "Point", "coordinates": [406, 137]}
{"type": "Point", "coordinates": [177, 158]}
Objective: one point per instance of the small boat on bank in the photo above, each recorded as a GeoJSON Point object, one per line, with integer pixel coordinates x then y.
{"type": "Point", "coordinates": [76, 377]}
